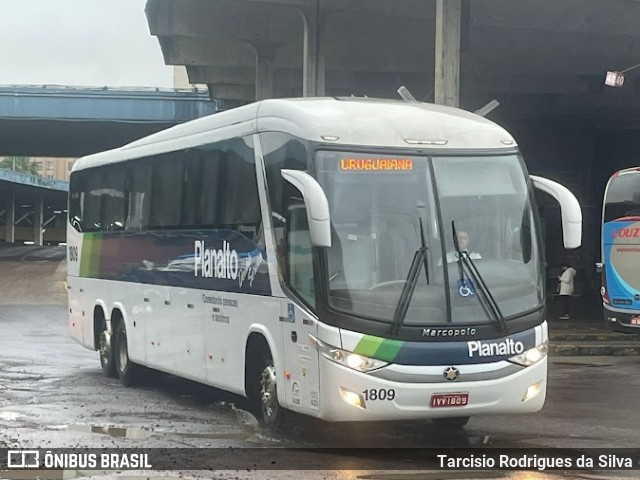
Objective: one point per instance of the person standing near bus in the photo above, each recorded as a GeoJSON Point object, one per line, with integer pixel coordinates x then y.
{"type": "Point", "coordinates": [566, 289]}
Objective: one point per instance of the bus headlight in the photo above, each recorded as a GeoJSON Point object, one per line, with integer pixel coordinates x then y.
{"type": "Point", "coordinates": [348, 359]}
{"type": "Point", "coordinates": [532, 355]}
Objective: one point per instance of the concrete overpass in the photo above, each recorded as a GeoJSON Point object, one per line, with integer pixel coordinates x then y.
{"type": "Point", "coordinates": [54, 121]}
{"type": "Point", "coordinates": [544, 58]}
{"type": "Point", "coordinates": [544, 61]}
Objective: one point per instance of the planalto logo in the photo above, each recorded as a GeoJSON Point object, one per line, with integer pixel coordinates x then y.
{"type": "Point", "coordinates": [625, 233]}
{"type": "Point", "coordinates": [225, 263]}
{"type": "Point", "coordinates": [221, 263]}
{"type": "Point", "coordinates": [490, 349]}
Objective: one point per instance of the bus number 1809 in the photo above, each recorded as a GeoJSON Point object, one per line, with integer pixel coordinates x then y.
{"type": "Point", "coordinates": [379, 394]}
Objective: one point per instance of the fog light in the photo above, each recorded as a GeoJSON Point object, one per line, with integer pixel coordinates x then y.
{"type": "Point", "coordinates": [532, 391]}
{"type": "Point", "coordinates": [352, 398]}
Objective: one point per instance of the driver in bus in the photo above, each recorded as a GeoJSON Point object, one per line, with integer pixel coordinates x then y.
{"type": "Point", "coordinates": [463, 244]}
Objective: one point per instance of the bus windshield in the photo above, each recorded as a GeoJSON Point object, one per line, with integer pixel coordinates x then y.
{"type": "Point", "coordinates": [623, 197]}
{"type": "Point", "coordinates": [378, 203]}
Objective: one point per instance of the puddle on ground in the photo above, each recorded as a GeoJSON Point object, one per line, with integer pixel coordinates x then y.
{"type": "Point", "coordinates": [247, 418]}
{"type": "Point", "coordinates": [135, 433]}
{"type": "Point", "coordinates": [10, 416]}
{"type": "Point", "coordinates": [20, 376]}
{"type": "Point", "coordinates": [139, 433]}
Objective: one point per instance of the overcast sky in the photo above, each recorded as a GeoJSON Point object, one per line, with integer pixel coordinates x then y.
{"type": "Point", "coordinates": [79, 42]}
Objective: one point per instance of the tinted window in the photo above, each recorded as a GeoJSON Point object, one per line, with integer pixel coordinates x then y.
{"type": "Point", "coordinates": [138, 194]}
{"type": "Point", "coordinates": [212, 186]}
{"type": "Point", "coordinates": [293, 242]}
{"type": "Point", "coordinates": [166, 191]}
{"type": "Point", "coordinates": [92, 202]}
{"type": "Point", "coordinates": [114, 200]}
{"type": "Point", "coordinates": [281, 151]}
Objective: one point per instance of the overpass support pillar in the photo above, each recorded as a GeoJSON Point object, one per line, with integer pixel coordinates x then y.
{"type": "Point", "coordinates": [10, 227]}
{"type": "Point", "coordinates": [313, 51]}
{"type": "Point", "coordinates": [38, 236]}
{"type": "Point", "coordinates": [447, 67]}
{"type": "Point", "coordinates": [265, 71]}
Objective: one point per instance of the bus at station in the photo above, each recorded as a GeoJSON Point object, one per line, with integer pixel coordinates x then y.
{"type": "Point", "coordinates": [620, 251]}
{"type": "Point", "coordinates": [350, 259]}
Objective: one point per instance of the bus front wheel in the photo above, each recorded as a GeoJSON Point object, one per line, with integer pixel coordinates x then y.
{"type": "Point", "coordinates": [125, 369]}
{"type": "Point", "coordinates": [105, 347]}
{"type": "Point", "coordinates": [265, 392]}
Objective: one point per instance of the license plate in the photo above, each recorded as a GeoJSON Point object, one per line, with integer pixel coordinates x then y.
{"type": "Point", "coordinates": [635, 320]}
{"type": "Point", "coordinates": [439, 400]}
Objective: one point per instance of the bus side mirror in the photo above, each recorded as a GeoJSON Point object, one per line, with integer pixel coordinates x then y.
{"type": "Point", "coordinates": [317, 206]}
{"type": "Point", "coordinates": [569, 207]}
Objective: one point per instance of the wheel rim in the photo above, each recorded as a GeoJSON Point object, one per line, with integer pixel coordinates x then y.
{"type": "Point", "coordinates": [268, 395]}
{"type": "Point", "coordinates": [123, 354]}
{"type": "Point", "coordinates": [105, 348]}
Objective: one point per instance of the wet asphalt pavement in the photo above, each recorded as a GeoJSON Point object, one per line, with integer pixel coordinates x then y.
{"type": "Point", "coordinates": [53, 394]}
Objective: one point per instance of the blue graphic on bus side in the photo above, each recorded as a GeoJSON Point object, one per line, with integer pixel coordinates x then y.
{"type": "Point", "coordinates": [222, 259]}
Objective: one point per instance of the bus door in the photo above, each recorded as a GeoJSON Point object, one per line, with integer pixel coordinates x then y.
{"type": "Point", "coordinates": [300, 359]}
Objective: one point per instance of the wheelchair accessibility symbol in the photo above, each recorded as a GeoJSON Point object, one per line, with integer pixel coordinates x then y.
{"type": "Point", "coordinates": [466, 288]}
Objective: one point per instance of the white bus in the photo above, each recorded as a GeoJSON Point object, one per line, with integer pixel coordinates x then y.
{"type": "Point", "coordinates": [348, 259]}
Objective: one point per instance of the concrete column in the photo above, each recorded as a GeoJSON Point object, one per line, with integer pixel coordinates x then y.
{"type": "Point", "coordinates": [313, 51]}
{"type": "Point", "coordinates": [37, 220]}
{"type": "Point", "coordinates": [10, 228]}
{"type": "Point", "coordinates": [265, 71]}
{"type": "Point", "coordinates": [447, 67]}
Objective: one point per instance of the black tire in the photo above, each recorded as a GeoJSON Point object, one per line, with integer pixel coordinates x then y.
{"type": "Point", "coordinates": [451, 423]}
{"type": "Point", "coordinates": [124, 367]}
{"type": "Point", "coordinates": [105, 350]}
{"type": "Point", "coordinates": [263, 394]}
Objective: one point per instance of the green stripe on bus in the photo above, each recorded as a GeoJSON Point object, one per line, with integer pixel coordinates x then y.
{"type": "Point", "coordinates": [90, 259]}
{"type": "Point", "coordinates": [368, 345]}
{"type": "Point", "coordinates": [388, 350]}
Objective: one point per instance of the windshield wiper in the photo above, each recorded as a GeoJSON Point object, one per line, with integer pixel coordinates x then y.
{"type": "Point", "coordinates": [489, 303]}
{"type": "Point", "coordinates": [419, 259]}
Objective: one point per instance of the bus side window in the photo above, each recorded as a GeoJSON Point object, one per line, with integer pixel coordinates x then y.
{"type": "Point", "coordinates": [281, 151]}
{"type": "Point", "coordinates": [113, 200]}
{"type": "Point", "coordinates": [299, 255]}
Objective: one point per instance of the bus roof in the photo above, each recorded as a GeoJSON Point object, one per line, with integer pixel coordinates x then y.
{"type": "Point", "coordinates": [625, 171]}
{"type": "Point", "coordinates": [345, 121]}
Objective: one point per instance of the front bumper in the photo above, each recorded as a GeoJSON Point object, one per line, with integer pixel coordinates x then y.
{"type": "Point", "coordinates": [412, 401]}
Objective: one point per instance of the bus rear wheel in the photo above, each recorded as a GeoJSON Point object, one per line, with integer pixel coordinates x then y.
{"type": "Point", "coordinates": [125, 368]}
{"type": "Point", "coordinates": [451, 423]}
{"type": "Point", "coordinates": [105, 347]}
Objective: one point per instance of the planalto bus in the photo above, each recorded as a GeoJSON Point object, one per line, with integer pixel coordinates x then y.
{"type": "Point", "coordinates": [620, 250]}
{"type": "Point", "coordinates": [348, 259]}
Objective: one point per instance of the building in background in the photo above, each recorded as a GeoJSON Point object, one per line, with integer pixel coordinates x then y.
{"type": "Point", "coordinates": [52, 168]}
